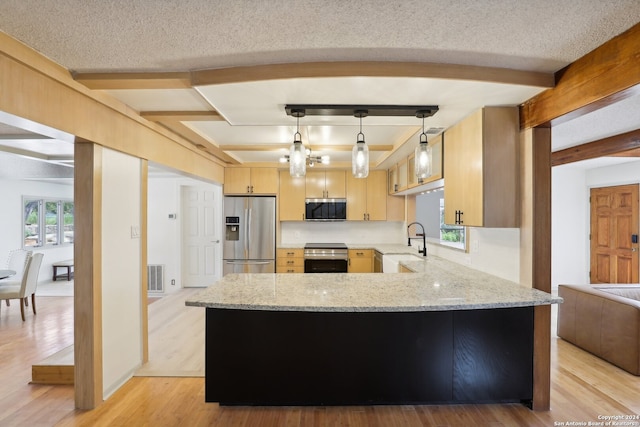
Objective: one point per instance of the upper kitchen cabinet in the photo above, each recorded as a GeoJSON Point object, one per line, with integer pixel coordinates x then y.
{"type": "Point", "coordinates": [481, 169]}
{"type": "Point", "coordinates": [436, 164]}
{"type": "Point", "coordinates": [402, 175]}
{"type": "Point", "coordinates": [325, 184]}
{"type": "Point", "coordinates": [367, 197]}
{"type": "Point", "coordinates": [291, 197]}
{"type": "Point", "coordinates": [250, 181]}
{"type": "Point", "coordinates": [393, 179]}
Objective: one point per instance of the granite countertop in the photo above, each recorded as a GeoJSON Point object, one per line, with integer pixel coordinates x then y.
{"type": "Point", "coordinates": [437, 286]}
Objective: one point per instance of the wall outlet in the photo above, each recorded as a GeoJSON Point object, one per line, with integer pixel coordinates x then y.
{"type": "Point", "coordinates": [474, 246]}
{"type": "Point", "coordinates": [173, 282]}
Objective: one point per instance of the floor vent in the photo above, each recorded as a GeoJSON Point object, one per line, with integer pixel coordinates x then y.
{"type": "Point", "coordinates": [155, 278]}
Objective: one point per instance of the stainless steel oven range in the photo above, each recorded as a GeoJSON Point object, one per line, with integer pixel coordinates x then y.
{"type": "Point", "coordinates": [326, 258]}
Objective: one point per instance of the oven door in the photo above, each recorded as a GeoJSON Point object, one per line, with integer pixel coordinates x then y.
{"type": "Point", "coordinates": [325, 265]}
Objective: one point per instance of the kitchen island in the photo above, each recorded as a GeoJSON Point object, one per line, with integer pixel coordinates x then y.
{"type": "Point", "coordinates": [446, 335]}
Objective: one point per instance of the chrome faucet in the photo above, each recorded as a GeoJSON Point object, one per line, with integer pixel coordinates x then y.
{"type": "Point", "coordinates": [422, 251]}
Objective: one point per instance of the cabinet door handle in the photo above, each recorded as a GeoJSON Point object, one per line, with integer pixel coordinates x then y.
{"type": "Point", "coordinates": [459, 217]}
{"type": "Point", "coordinates": [364, 216]}
{"type": "Point", "coordinates": [248, 189]}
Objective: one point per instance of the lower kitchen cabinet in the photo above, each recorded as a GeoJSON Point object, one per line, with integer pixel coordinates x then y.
{"type": "Point", "coordinates": [360, 261]}
{"type": "Point", "coordinates": [290, 260]}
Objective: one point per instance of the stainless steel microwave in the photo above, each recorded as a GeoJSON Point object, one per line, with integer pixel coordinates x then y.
{"type": "Point", "coordinates": [325, 209]}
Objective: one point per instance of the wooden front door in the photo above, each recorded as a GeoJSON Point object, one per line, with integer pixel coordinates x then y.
{"type": "Point", "coordinates": [614, 223]}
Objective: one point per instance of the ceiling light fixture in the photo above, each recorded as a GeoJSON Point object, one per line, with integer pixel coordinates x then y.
{"type": "Point", "coordinates": [311, 159]}
{"type": "Point", "coordinates": [297, 154]}
{"type": "Point", "coordinates": [360, 152]}
{"type": "Point", "coordinates": [423, 157]}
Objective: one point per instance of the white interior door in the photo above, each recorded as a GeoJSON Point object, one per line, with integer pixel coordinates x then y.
{"type": "Point", "coordinates": [201, 227]}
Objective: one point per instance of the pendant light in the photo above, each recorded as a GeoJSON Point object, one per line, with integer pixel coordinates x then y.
{"type": "Point", "coordinates": [423, 157]}
{"type": "Point", "coordinates": [297, 154]}
{"type": "Point", "coordinates": [360, 152]}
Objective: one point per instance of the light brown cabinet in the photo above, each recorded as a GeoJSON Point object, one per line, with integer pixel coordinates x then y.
{"type": "Point", "coordinates": [481, 169]}
{"type": "Point", "coordinates": [367, 197]}
{"type": "Point", "coordinates": [393, 179]}
{"type": "Point", "coordinates": [250, 181]}
{"type": "Point", "coordinates": [436, 164]}
{"type": "Point", "coordinates": [402, 175]}
{"type": "Point", "coordinates": [290, 260]}
{"type": "Point", "coordinates": [360, 261]}
{"type": "Point", "coordinates": [291, 197]}
{"type": "Point", "coordinates": [404, 269]}
{"type": "Point", "coordinates": [325, 184]}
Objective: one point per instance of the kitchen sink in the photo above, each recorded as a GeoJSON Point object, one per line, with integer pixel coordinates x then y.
{"type": "Point", "coordinates": [391, 262]}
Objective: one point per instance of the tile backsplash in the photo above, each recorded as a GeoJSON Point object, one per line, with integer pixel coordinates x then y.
{"type": "Point", "coordinates": [361, 232]}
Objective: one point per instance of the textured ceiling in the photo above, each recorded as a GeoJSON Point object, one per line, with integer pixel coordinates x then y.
{"type": "Point", "coordinates": [182, 35]}
{"type": "Point", "coordinates": [108, 35]}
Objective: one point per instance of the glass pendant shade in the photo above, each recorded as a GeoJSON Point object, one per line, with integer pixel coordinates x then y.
{"type": "Point", "coordinates": [423, 160]}
{"type": "Point", "coordinates": [297, 159]}
{"type": "Point", "coordinates": [360, 160]}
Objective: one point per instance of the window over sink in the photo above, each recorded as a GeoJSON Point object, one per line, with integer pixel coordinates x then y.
{"type": "Point", "coordinates": [430, 212]}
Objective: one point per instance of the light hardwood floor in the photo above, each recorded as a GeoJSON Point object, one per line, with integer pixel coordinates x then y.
{"type": "Point", "coordinates": [583, 386]}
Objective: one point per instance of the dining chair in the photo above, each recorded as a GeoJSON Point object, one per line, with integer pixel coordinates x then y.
{"type": "Point", "coordinates": [17, 261]}
{"type": "Point", "coordinates": [22, 289]}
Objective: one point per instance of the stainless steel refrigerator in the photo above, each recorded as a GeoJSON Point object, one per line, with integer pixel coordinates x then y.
{"type": "Point", "coordinates": [250, 234]}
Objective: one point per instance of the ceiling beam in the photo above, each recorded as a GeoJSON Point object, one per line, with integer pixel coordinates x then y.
{"type": "Point", "coordinates": [616, 145]}
{"type": "Point", "coordinates": [111, 81]}
{"type": "Point", "coordinates": [182, 116]}
{"type": "Point", "coordinates": [602, 77]}
{"type": "Point", "coordinates": [24, 136]}
{"type": "Point", "coordinates": [369, 69]}
{"type": "Point", "coordinates": [198, 140]}
{"type": "Point", "coordinates": [186, 79]}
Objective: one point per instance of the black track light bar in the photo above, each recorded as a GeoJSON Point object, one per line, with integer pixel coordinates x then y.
{"type": "Point", "coordinates": [351, 110]}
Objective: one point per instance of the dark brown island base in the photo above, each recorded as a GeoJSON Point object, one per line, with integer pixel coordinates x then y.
{"type": "Point", "coordinates": [319, 358]}
{"type": "Point", "coordinates": [444, 336]}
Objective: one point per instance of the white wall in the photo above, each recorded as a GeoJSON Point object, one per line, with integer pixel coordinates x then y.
{"type": "Point", "coordinates": [164, 234]}
{"type": "Point", "coordinates": [570, 187]}
{"type": "Point", "coordinates": [11, 233]}
{"type": "Point", "coordinates": [492, 250]}
{"type": "Point", "coordinates": [569, 226]}
{"type": "Point", "coordinates": [121, 264]}
{"type": "Point", "coordinates": [358, 232]}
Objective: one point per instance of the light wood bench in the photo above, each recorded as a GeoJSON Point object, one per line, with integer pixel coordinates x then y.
{"type": "Point", "coordinates": [68, 264]}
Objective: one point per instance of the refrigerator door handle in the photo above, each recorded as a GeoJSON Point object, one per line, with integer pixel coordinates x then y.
{"type": "Point", "coordinates": [245, 249]}
{"type": "Point", "coordinates": [249, 219]}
